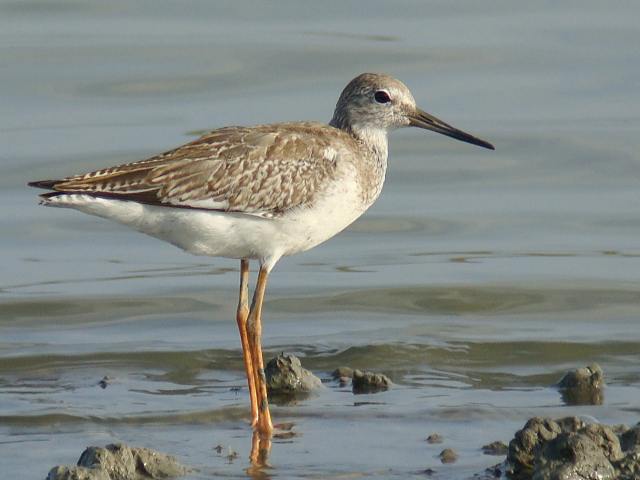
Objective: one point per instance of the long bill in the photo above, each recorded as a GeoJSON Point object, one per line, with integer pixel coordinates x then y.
{"type": "Point", "coordinates": [422, 119]}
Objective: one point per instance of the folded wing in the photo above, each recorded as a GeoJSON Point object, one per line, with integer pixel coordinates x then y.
{"type": "Point", "coordinates": [263, 170]}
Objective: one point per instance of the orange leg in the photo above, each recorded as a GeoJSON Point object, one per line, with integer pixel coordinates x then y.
{"type": "Point", "coordinates": [260, 450]}
{"type": "Point", "coordinates": [241, 317]}
{"type": "Point", "coordinates": [264, 425]}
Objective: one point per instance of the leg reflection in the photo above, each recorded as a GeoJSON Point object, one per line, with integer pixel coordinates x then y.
{"type": "Point", "coordinates": [259, 457]}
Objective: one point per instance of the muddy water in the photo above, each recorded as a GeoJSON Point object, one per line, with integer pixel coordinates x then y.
{"type": "Point", "coordinates": [476, 280]}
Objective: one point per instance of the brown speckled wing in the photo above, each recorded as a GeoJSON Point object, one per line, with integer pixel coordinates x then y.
{"type": "Point", "coordinates": [263, 170]}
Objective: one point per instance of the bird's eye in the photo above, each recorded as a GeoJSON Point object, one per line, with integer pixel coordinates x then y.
{"type": "Point", "coordinates": [382, 97]}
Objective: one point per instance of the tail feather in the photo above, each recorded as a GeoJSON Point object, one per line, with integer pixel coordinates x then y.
{"type": "Point", "coordinates": [61, 194]}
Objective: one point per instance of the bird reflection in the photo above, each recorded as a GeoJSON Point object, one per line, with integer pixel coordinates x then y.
{"type": "Point", "coordinates": [259, 456]}
{"type": "Point", "coordinates": [261, 449]}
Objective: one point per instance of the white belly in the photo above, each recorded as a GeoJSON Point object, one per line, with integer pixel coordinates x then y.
{"type": "Point", "coordinates": [233, 235]}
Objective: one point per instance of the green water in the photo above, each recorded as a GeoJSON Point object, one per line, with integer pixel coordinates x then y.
{"type": "Point", "coordinates": [474, 283]}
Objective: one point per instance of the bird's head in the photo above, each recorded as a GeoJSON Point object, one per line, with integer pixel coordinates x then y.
{"type": "Point", "coordinates": [378, 102]}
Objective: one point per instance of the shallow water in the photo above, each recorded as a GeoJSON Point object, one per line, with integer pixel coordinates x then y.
{"type": "Point", "coordinates": [475, 281]}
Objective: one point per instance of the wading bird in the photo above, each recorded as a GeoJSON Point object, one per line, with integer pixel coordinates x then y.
{"type": "Point", "coordinates": [258, 193]}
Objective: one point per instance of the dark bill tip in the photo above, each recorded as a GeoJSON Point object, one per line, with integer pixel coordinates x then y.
{"type": "Point", "coordinates": [422, 119]}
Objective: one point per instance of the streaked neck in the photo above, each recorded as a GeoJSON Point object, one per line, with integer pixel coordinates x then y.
{"type": "Point", "coordinates": [373, 138]}
{"type": "Point", "coordinates": [372, 165]}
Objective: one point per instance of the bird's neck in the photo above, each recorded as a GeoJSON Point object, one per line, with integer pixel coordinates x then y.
{"type": "Point", "coordinates": [373, 138]}
{"type": "Point", "coordinates": [372, 165]}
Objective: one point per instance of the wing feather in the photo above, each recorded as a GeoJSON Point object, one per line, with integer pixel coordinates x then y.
{"type": "Point", "coordinates": [263, 170]}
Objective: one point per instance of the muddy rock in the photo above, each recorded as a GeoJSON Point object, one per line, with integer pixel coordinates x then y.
{"type": "Point", "coordinates": [589, 376]}
{"type": "Point", "coordinates": [495, 448]}
{"type": "Point", "coordinates": [530, 439]}
{"type": "Point", "coordinates": [491, 473]}
{"type": "Point", "coordinates": [369, 382]}
{"type": "Point", "coordinates": [343, 375]}
{"type": "Point", "coordinates": [583, 386]}
{"type": "Point", "coordinates": [435, 438]}
{"type": "Point", "coordinates": [119, 462]}
{"type": "Point", "coordinates": [579, 455]}
{"type": "Point", "coordinates": [448, 455]}
{"type": "Point", "coordinates": [343, 381]}
{"type": "Point", "coordinates": [285, 376]}
{"type": "Point", "coordinates": [569, 449]}
{"type": "Point", "coordinates": [342, 372]}
{"type": "Point", "coordinates": [630, 438]}
{"type": "Point", "coordinates": [73, 472]}
{"type": "Point", "coordinates": [629, 467]}
{"type": "Point", "coordinates": [105, 382]}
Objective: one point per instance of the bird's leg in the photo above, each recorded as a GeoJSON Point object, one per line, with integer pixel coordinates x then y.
{"type": "Point", "coordinates": [260, 450]}
{"type": "Point", "coordinates": [241, 317]}
{"type": "Point", "coordinates": [264, 424]}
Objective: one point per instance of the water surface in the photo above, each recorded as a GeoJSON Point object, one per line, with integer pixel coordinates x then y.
{"type": "Point", "coordinates": [475, 281]}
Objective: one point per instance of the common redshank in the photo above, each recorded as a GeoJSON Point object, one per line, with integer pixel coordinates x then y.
{"type": "Point", "coordinates": [258, 193]}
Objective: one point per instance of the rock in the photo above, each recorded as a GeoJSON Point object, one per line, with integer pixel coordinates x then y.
{"type": "Point", "coordinates": [119, 462]}
{"type": "Point", "coordinates": [495, 448]}
{"type": "Point", "coordinates": [527, 441]}
{"type": "Point", "coordinates": [369, 382]}
{"type": "Point", "coordinates": [629, 467]}
{"type": "Point", "coordinates": [589, 376]}
{"type": "Point", "coordinates": [69, 472]}
{"type": "Point", "coordinates": [343, 381]}
{"type": "Point", "coordinates": [491, 473]}
{"type": "Point", "coordinates": [434, 438]}
{"type": "Point", "coordinates": [343, 375]}
{"type": "Point", "coordinates": [583, 386]}
{"type": "Point", "coordinates": [578, 455]}
{"type": "Point", "coordinates": [448, 455]}
{"type": "Point", "coordinates": [105, 382]}
{"type": "Point", "coordinates": [620, 429]}
{"type": "Point", "coordinates": [630, 439]}
{"type": "Point", "coordinates": [342, 372]}
{"type": "Point", "coordinates": [605, 439]}
{"type": "Point", "coordinates": [569, 449]}
{"type": "Point", "coordinates": [124, 462]}
{"type": "Point", "coordinates": [285, 376]}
